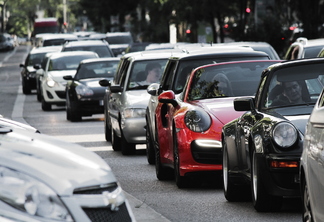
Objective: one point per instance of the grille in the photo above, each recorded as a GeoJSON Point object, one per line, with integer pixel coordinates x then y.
{"type": "Point", "coordinates": [105, 214]}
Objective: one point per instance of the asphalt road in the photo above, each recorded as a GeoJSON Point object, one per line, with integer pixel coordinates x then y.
{"type": "Point", "coordinates": [151, 199]}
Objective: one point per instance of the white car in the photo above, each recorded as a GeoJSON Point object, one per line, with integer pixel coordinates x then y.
{"type": "Point", "coordinates": [45, 179]}
{"type": "Point", "coordinates": [59, 64]}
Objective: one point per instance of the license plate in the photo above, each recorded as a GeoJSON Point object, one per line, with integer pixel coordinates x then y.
{"type": "Point", "coordinates": [101, 102]}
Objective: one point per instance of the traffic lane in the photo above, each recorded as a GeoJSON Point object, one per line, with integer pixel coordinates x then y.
{"type": "Point", "coordinates": [10, 77]}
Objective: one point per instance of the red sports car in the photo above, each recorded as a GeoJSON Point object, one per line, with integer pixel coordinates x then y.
{"type": "Point", "coordinates": [189, 125]}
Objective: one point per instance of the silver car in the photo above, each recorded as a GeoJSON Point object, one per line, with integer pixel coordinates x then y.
{"type": "Point", "coordinates": [311, 165]}
{"type": "Point", "coordinates": [126, 99]}
{"type": "Point", "coordinates": [45, 179]}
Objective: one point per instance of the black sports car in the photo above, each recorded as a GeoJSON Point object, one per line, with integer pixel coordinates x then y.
{"type": "Point", "coordinates": [84, 95]}
{"type": "Point", "coordinates": [262, 148]}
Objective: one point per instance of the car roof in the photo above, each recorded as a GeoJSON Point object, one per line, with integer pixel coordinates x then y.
{"type": "Point", "coordinates": [100, 59]}
{"type": "Point", "coordinates": [57, 36]}
{"type": "Point", "coordinates": [205, 52]}
{"type": "Point", "coordinates": [295, 62]}
{"type": "Point", "coordinates": [55, 55]}
{"type": "Point", "coordinates": [155, 54]}
{"type": "Point", "coordinates": [85, 43]}
{"type": "Point", "coordinates": [45, 49]}
{"type": "Point", "coordinates": [118, 33]}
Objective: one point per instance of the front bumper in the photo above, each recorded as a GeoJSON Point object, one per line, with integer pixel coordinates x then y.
{"type": "Point", "coordinates": [280, 181]}
{"type": "Point", "coordinates": [134, 130]}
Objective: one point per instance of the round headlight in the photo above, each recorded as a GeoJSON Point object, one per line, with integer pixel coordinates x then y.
{"type": "Point", "coordinates": [284, 134]}
{"type": "Point", "coordinates": [197, 120]}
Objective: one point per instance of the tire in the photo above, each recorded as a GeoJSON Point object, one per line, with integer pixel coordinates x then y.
{"type": "Point", "coordinates": [126, 147]}
{"type": "Point", "coordinates": [307, 209]}
{"type": "Point", "coordinates": [262, 201]}
{"type": "Point", "coordinates": [115, 141]}
{"type": "Point", "coordinates": [75, 115]}
{"type": "Point", "coordinates": [39, 94]}
{"type": "Point", "coordinates": [232, 191]}
{"type": "Point", "coordinates": [162, 172]}
{"type": "Point", "coordinates": [181, 181]}
{"type": "Point", "coordinates": [46, 106]}
{"type": "Point", "coordinates": [108, 133]}
{"type": "Point", "coordinates": [25, 87]}
{"type": "Point", "coordinates": [150, 152]}
{"type": "Point", "coordinates": [68, 107]}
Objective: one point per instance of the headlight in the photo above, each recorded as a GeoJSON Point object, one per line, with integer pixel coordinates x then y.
{"type": "Point", "coordinates": [133, 113]}
{"type": "Point", "coordinates": [83, 90]}
{"type": "Point", "coordinates": [197, 120]}
{"type": "Point", "coordinates": [31, 196]}
{"type": "Point", "coordinates": [50, 82]}
{"type": "Point", "coordinates": [284, 134]}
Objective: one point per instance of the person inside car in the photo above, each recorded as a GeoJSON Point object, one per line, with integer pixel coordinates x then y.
{"type": "Point", "coordinates": [153, 71]}
{"type": "Point", "coordinates": [291, 93]}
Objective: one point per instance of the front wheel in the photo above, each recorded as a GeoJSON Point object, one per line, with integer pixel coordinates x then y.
{"type": "Point", "coordinates": [181, 181]}
{"type": "Point", "coordinates": [262, 201]}
{"type": "Point", "coordinates": [115, 141]}
{"type": "Point", "coordinates": [162, 172]}
{"type": "Point", "coordinates": [25, 87]}
{"type": "Point", "coordinates": [150, 152]}
{"type": "Point", "coordinates": [232, 192]}
{"type": "Point", "coordinates": [46, 106]}
{"type": "Point", "coordinates": [307, 209]}
{"type": "Point", "coordinates": [107, 129]}
{"type": "Point", "coordinates": [126, 147]}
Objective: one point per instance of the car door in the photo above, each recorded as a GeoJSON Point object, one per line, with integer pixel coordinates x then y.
{"type": "Point", "coordinates": [162, 116]}
{"type": "Point", "coordinates": [114, 98]}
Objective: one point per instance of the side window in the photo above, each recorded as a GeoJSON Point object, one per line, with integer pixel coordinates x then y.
{"type": "Point", "coordinates": [120, 68]}
{"type": "Point", "coordinates": [168, 75]}
{"type": "Point", "coordinates": [123, 75]}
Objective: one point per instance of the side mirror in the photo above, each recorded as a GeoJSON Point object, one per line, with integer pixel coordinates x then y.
{"type": "Point", "coordinates": [104, 82]}
{"type": "Point", "coordinates": [153, 89]}
{"type": "Point", "coordinates": [168, 97]}
{"type": "Point", "coordinates": [69, 77]}
{"type": "Point", "coordinates": [244, 104]}
{"type": "Point", "coordinates": [22, 66]}
{"type": "Point", "coordinates": [116, 89]}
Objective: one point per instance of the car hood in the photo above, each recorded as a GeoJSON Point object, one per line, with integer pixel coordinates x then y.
{"type": "Point", "coordinates": [62, 73]}
{"type": "Point", "coordinates": [62, 166]}
{"type": "Point", "coordinates": [136, 98]}
{"type": "Point", "coordinates": [11, 123]}
{"type": "Point", "coordinates": [93, 82]}
{"type": "Point", "coordinates": [31, 69]}
{"type": "Point", "coordinates": [297, 115]}
{"type": "Point", "coordinates": [221, 108]}
{"type": "Point", "coordinates": [299, 121]}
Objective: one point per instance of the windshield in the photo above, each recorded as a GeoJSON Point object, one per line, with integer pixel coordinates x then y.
{"type": "Point", "coordinates": [144, 73]}
{"type": "Point", "coordinates": [228, 80]}
{"type": "Point", "coordinates": [97, 70]}
{"type": "Point", "coordinates": [101, 50]}
{"type": "Point", "coordinates": [119, 39]}
{"type": "Point", "coordinates": [297, 85]}
{"type": "Point", "coordinates": [68, 62]}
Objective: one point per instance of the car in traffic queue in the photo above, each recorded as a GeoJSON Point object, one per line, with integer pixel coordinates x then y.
{"type": "Point", "coordinates": [53, 39]}
{"type": "Point", "coordinates": [59, 64]}
{"type": "Point", "coordinates": [262, 147]}
{"type": "Point", "coordinates": [101, 47]}
{"type": "Point", "coordinates": [84, 95]}
{"type": "Point", "coordinates": [190, 124]}
{"type": "Point", "coordinates": [311, 165]}
{"type": "Point", "coordinates": [177, 70]}
{"type": "Point", "coordinates": [304, 48]}
{"type": "Point", "coordinates": [5, 122]}
{"type": "Point", "coordinates": [119, 41]}
{"type": "Point", "coordinates": [28, 72]}
{"type": "Point", "coordinates": [126, 99]}
{"type": "Point", "coordinates": [46, 179]}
